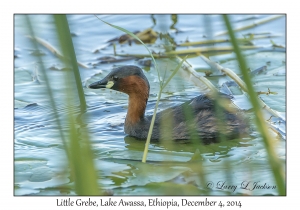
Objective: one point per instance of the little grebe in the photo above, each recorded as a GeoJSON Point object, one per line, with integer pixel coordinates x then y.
{"type": "Point", "coordinates": [132, 81]}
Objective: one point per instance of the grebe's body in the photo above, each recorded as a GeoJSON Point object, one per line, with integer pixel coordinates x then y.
{"type": "Point", "coordinates": [196, 118]}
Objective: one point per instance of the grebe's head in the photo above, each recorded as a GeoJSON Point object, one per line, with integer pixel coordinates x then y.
{"type": "Point", "coordinates": [128, 79]}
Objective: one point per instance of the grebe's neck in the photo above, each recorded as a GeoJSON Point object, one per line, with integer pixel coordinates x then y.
{"type": "Point", "coordinates": [136, 109]}
{"type": "Point", "coordinates": [138, 91]}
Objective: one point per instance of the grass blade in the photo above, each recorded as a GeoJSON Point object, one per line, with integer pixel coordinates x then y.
{"type": "Point", "coordinates": [275, 164]}
{"type": "Point", "coordinates": [155, 110]}
{"type": "Point", "coordinates": [81, 161]}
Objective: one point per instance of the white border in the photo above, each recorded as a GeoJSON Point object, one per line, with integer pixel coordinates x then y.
{"type": "Point", "coordinates": [8, 8]}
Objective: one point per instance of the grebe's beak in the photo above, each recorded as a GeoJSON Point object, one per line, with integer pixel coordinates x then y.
{"type": "Point", "coordinates": [104, 83]}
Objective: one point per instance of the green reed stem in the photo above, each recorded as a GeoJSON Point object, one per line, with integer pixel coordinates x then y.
{"type": "Point", "coordinates": [49, 92]}
{"type": "Point", "coordinates": [155, 110]}
{"type": "Point", "coordinates": [81, 161]}
{"type": "Point", "coordinates": [151, 128]}
{"type": "Point", "coordinates": [275, 164]}
{"type": "Point", "coordinates": [69, 52]}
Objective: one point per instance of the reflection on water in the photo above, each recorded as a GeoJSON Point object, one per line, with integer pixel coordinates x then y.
{"type": "Point", "coordinates": [173, 168]}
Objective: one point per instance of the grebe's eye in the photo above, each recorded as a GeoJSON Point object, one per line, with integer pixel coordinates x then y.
{"type": "Point", "coordinates": [115, 78]}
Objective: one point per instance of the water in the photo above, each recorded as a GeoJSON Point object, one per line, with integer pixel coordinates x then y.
{"type": "Point", "coordinates": [40, 161]}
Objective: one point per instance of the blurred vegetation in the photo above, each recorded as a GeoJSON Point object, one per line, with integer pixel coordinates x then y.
{"type": "Point", "coordinates": [259, 119]}
{"type": "Point", "coordinates": [77, 145]}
